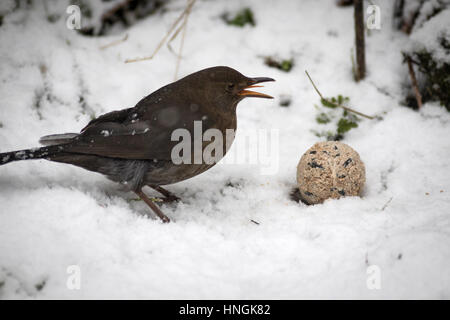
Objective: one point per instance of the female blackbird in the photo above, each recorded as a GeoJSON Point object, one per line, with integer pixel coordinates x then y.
{"type": "Point", "coordinates": [134, 146]}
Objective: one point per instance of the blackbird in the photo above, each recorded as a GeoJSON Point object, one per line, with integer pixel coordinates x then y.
{"type": "Point", "coordinates": [134, 146]}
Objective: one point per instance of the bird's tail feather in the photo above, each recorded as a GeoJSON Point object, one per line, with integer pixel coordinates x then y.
{"type": "Point", "coordinates": [30, 154]}
{"type": "Point", "coordinates": [55, 139]}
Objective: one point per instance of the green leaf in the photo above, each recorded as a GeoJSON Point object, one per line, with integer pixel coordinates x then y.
{"type": "Point", "coordinates": [242, 18]}
{"type": "Point", "coordinates": [345, 125]}
{"type": "Point", "coordinates": [283, 65]}
{"type": "Point", "coordinates": [323, 118]}
{"type": "Point", "coordinates": [328, 104]}
{"type": "Point", "coordinates": [286, 65]}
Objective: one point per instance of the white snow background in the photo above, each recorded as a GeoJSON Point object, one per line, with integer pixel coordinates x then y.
{"type": "Point", "coordinates": [54, 215]}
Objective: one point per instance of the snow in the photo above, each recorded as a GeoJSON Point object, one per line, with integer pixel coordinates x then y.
{"type": "Point", "coordinates": [428, 10]}
{"type": "Point", "coordinates": [430, 35]}
{"type": "Point", "coordinates": [53, 216]}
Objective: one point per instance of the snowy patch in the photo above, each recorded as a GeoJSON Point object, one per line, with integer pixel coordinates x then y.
{"type": "Point", "coordinates": [430, 35]}
{"type": "Point", "coordinates": [105, 133]}
{"type": "Point", "coordinates": [236, 233]}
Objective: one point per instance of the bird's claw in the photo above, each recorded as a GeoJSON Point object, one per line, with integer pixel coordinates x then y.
{"type": "Point", "coordinates": [169, 199]}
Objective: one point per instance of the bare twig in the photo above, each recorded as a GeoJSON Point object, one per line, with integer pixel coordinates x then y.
{"type": "Point", "coordinates": [414, 82]}
{"type": "Point", "coordinates": [337, 105]}
{"type": "Point", "coordinates": [185, 12]}
{"type": "Point", "coordinates": [125, 38]}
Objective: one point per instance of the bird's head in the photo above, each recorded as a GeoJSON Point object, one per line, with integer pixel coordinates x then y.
{"type": "Point", "coordinates": [225, 87]}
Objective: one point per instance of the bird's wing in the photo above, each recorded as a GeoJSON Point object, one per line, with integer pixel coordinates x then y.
{"type": "Point", "coordinates": [114, 116]}
{"type": "Point", "coordinates": [127, 141]}
{"type": "Point", "coordinates": [135, 133]}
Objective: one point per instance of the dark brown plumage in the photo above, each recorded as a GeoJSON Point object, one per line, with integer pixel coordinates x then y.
{"type": "Point", "coordinates": [134, 146]}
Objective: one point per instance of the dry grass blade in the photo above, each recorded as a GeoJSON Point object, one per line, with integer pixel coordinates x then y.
{"type": "Point", "coordinates": [114, 42]}
{"type": "Point", "coordinates": [185, 12]}
{"type": "Point", "coordinates": [337, 105]}
{"type": "Point", "coordinates": [183, 36]}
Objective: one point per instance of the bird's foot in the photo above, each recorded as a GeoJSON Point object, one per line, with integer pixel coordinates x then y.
{"type": "Point", "coordinates": [168, 196]}
{"type": "Point", "coordinates": [169, 199]}
{"type": "Point", "coordinates": [153, 206]}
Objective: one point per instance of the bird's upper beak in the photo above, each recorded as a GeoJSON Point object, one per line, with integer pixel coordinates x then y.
{"type": "Point", "coordinates": [252, 84]}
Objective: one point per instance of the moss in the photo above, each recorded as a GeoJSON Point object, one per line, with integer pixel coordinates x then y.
{"type": "Point", "coordinates": [243, 17]}
{"type": "Point", "coordinates": [285, 65]}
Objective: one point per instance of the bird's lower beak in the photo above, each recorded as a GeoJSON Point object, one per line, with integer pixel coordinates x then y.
{"type": "Point", "coordinates": [253, 82]}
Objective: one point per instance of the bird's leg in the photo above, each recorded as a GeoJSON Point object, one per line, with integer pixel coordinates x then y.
{"type": "Point", "coordinates": [152, 206]}
{"type": "Point", "coordinates": [168, 196]}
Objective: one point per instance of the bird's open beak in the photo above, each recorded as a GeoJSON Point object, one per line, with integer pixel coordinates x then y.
{"type": "Point", "coordinates": [253, 82]}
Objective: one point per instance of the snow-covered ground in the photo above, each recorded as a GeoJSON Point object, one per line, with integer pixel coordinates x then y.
{"type": "Point", "coordinates": [53, 216]}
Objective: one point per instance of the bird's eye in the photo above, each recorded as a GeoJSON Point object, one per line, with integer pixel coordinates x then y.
{"type": "Point", "coordinates": [230, 86]}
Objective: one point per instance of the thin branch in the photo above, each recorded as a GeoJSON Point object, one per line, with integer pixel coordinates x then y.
{"type": "Point", "coordinates": [414, 83]}
{"type": "Point", "coordinates": [337, 105]}
{"type": "Point", "coordinates": [114, 42]}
